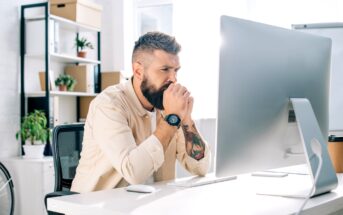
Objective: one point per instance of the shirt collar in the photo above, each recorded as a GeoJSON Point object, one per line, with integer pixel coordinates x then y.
{"type": "Point", "coordinates": [134, 99]}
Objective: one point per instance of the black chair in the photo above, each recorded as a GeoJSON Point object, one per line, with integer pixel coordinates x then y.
{"type": "Point", "coordinates": [67, 145]}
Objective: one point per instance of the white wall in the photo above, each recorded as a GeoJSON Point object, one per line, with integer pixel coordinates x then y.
{"type": "Point", "coordinates": [196, 27]}
{"type": "Point", "coordinates": [117, 35]}
{"type": "Point", "coordinates": [284, 13]}
{"type": "Point", "coordinates": [112, 49]}
{"type": "Point", "coordinates": [9, 77]}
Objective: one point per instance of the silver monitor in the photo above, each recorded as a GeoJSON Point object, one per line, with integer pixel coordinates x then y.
{"type": "Point", "coordinates": [262, 68]}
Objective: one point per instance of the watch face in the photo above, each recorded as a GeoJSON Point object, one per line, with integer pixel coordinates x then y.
{"type": "Point", "coordinates": [173, 119]}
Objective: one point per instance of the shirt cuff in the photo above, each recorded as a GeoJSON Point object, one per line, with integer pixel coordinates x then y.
{"type": "Point", "coordinates": [155, 149]}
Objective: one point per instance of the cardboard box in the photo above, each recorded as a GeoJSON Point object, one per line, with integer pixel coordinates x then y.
{"type": "Point", "coordinates": [110, 78]}
{"type": "Point", "coordinates": [84, 106]}
{"type": "Point", "coordinates": [84, 76]}
{"type": "Point", "coordinates": [81, 11]}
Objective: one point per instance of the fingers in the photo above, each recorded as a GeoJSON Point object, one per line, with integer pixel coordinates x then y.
{"type": "Point", "coordinates": [182, 90]}
{"type": "Point", "coordinates": [190, 100]}
{"type": "Point", "coordinates": [187, 95]}
{"type": "Point", "coordinates": [170, 88]}
{"type": "Point", "coordinates": [179, 90]}
{"type": "Point", "coordinates": [177, 99]}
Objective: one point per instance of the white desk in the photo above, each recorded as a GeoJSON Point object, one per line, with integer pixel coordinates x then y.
{"type": "Point", "coordinates": [231, 197]}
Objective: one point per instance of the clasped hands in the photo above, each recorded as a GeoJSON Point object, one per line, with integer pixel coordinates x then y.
{"type": "Point", "coordinates": [177, 100]}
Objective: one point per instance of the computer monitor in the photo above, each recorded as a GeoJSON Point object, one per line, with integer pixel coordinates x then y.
{"type": "Point", "coordinates": [262, 68]}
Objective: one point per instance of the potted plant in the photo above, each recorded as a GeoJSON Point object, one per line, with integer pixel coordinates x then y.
{"type": "Point", "coordinates": [34, 131]}
{"type": "Point", "coordinates": [65, 82]}
{"type": "Point", "coordinates": [81, 44]}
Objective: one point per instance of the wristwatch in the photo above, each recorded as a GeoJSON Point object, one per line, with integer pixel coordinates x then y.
{"type": "Point", "coordinates": [173, 120]}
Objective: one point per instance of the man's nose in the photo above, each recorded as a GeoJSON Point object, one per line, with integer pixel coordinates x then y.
{"type": "Point", "coordinates": [172, 77]}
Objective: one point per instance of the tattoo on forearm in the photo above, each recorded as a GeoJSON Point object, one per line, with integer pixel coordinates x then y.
{"type": "Point", "coordinates": [195, 146]}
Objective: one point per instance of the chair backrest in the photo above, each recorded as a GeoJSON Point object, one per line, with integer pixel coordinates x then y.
{"type": "Point", "coordinates": [67, 145]}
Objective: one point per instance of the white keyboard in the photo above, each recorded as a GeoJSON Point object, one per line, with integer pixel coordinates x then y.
{"type": "Point", "coordinates": [200, 181]}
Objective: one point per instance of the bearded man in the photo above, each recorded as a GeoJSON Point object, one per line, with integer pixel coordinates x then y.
{"type": "Point", "coordinates": [135, 131]}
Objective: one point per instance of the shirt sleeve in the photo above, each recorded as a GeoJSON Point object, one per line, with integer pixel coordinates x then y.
{"type": "Point", "coordinates": [195, 167]}
{"type": "Point", "coordinates": [115, 138]}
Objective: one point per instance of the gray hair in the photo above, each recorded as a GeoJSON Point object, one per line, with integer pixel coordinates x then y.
{"type": "Point", "coordinates": [155, 41]}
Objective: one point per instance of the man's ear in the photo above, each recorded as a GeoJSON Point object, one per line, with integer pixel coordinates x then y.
{"type": "Point", "coordinates": [138, 70]}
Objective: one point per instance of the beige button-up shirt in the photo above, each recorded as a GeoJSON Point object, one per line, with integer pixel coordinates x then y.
{"type": "Point", "coordinates": [120, 149]}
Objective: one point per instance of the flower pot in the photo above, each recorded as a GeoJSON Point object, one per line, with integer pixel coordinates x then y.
{"type": "Point", "coordinates": [82, 54]}
{"type": "Point", "coordinates": [34, 151]}
{"type": "Point", "coordinates": [62, 88]}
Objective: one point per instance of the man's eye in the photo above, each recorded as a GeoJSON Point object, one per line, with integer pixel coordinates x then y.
{"type": "Point", "coordinates": [165, 69]}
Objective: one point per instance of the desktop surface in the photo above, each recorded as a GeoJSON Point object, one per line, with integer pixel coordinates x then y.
{"type": "Point", "coordinates": [229, 197]}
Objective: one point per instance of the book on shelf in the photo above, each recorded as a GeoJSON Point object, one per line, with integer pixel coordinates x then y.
{"type": "Point", "coordinates": [96, 79]}
{"type": "Point", "coordinates": [41, 75]}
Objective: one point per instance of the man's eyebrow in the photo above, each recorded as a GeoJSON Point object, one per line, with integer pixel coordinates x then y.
{"type": "Point", "coordinates": [170, 67]}
{"type": "Point", "coordinates": [166, 66]}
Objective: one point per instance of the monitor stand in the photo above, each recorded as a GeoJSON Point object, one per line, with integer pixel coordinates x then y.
{"type": "Point", "coordinates": [309, 130]}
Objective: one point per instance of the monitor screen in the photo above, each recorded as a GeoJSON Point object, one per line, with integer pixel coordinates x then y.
{"type": "Point", "coordinates": [261, 68]}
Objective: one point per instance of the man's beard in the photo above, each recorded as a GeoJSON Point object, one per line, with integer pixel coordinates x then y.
{"type": "Point", "coordinates": [154, 96]}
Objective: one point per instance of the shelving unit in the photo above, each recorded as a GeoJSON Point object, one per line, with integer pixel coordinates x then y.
{"type": "Point", "coordinates": [63, 58]}
{"type": "Point", "coordinates": [45, 100]}
{"type": "Point", "coordinates": [59, 93]}
{"type": "Point", "coordinates": [67, 24]}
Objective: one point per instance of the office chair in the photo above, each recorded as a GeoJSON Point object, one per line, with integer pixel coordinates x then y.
{"type": "Point", "coordinates": [67, 145]}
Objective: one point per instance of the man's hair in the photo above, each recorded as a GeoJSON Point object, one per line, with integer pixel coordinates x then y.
{"type": "Point", "coordinates": [152, 41]}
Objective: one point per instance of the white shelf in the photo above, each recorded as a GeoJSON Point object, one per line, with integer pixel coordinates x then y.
{"type": "Point", "coordinates": [59, 93]}
{"type": "Point", "coordinates": [73, 26]}
{"type": "Point", "coordinates": [72, 59]}
{"type": "Point", "coordinates": [66, 23]}
{"type": "Point", "coordinates": [63, 58]}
